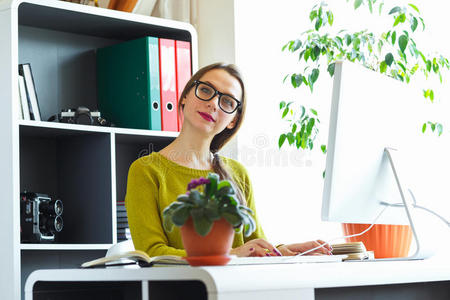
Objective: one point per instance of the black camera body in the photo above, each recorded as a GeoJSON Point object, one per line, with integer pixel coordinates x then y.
{"type": "Point", "coordinates": [40, 218]}
{"type": "Point", "coordinates": [80, 115]}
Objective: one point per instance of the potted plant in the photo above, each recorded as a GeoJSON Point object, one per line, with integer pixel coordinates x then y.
{"type": "Point", "coordinates": [208, 215]}
{"type": "Point", "coordinates": [394, 53]}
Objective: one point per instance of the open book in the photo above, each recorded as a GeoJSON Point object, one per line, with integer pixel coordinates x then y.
{"type": "Point", "coordinates": [123, 253]}
{"type": "Point", "coordinates": [134, 257]}
{"type": "Point", "coordinates": [353, 250]}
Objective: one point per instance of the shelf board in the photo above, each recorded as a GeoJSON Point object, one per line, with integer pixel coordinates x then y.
{"type": "Point", "coordinates": [81, 129]}
{"type": "Point", "coordinates": [95, 21]}
{"type": "Point", "coordinates": [65, 246]}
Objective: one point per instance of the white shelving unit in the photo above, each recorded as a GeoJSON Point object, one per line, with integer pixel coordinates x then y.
{"type": "Point", "coordinates": [85, 166]}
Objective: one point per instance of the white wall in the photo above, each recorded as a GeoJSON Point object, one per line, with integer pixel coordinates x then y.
{"type": "Point", "coordinates": [289, 192]}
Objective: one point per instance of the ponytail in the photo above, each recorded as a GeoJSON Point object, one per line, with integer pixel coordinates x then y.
{"type": "Point", "coordinates": [219, 169]}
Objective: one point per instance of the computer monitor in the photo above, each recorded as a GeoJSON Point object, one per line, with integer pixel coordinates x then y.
{"type": "Point", "coordinates": [369, 113]}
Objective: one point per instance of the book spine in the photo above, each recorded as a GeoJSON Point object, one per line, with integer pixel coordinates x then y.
{"type": "Point", "coordinates": [154, 85]}
{"type": "Point", "coordinates": [23, 98]}
{"type": "Point", "coordinates": [183, 70]}
{"type": "Point", "coordinates": [168, 85]}
{"type": "Point", "coordinates": [31, 91]}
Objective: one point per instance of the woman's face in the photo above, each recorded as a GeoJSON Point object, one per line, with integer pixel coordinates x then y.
{"type": "Point", "coordinates": [206, 115]}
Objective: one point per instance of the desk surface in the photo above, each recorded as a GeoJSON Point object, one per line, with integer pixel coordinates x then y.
{"type": "Point", "coordinates": [249, 278]}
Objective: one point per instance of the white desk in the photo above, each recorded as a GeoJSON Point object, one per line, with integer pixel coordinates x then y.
{"type": "Point", "coordinates": [293, 281]}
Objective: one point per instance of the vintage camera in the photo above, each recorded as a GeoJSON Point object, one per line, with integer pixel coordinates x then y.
{"type": "Point", "coordinates": [41, 218]}
{"type": "Point", "coordinates": [80, 115]}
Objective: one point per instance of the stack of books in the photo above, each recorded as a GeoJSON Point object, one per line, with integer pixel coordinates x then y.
{"type": "Point", "coordinates": [353, 250]}
{"type": "Point", "coordinates": [123, 230]}
{"type": "Point", "coordinates": [28, 101]}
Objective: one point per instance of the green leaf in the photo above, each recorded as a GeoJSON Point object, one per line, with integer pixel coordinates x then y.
{"type": "Point", "coordinates": [424, 127]}
{"type": "Point", "coordinates": [400, 19]}
{"type": "Point", "coordinates": [211, 187]}
{"type": "Point", "coordinates": [197, 199]}
{"type": "Point", "coordinates": [431, 95]}
{"type": "Point", "coordinates": [282, 104]}
{"type": "Point", "coordinates": [370, 6]}
{"type": "Point", "coordinates": [314, 75]}
{"type": "Point", "coordinates": [167, 223]}
{"type": "Point", "coordinates": [394, 10]}
{"type": "Point", "coordinates": [297, 44]}
{"type": "Point", "coordinates": [402, 42]}
{"type": "Point", "coordinates": [290, 137]}
{"type": "Point", "coordinates": [285, 112]}
{"type": "Point", "coordinates": [281, 140]}
{"type": "Point", "coordinates": [294, 128]}
{"type": "Point", "coordinates": [330, 69]}
{"type": "Point", "coordinates": [212, 211]}
{"type": "Point", "coordinates": [318, 24]}
{"type": "Point", "coordinates": [383, 67]}
{"type": "Point", "coordinates": [180, 215]}
{"type": "Point", "coordinates": [231, 214]}
{"type": "Point", "coordinates": [225, 191]}
{"type": "Point", "coordinates": [357, 3]}
{"type": "Point", "coordinates": [323, 148]}
{"type": "Point", "coordinates": [316, 52]}
{"type": "Point", "coordinates": [201, 223]}
{"type": "Point", "coordinates": [428, 65]}
{"type": "Point", "coordinates": [439, 128]}
{"type": "Point", "coordinates": [414, 7]}
{"type": "Point", "coordinates": [310, 126]}
{"type": "Point", "coordinates": [433, 126]}
{"type": "Point", "coordinates": [303, 111]}
{"type": "Point", "coordinates": [313, 111]}
{"type": "Point", "coordinates": [380, 8]}
{"type": "Point", "coordinates": [348, 39]}
{"type": "Point", "coordinates": [307, 54]}
{"type": "Point", "coordinates": [312, 15]}
{"type": "Point", "coordinates": [285, 77]}
{"type": "Point", "coordinates": [393, 36]}
{"type": "Point", "coordinates": [414, 24]}
{"type": "Point", "coordinates": [389, 58]}
{"type": "Point", "coordinates": [330, 18]}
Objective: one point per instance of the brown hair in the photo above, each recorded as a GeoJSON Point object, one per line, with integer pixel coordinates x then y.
{"type": "Point", "coordinates": [225, 136]}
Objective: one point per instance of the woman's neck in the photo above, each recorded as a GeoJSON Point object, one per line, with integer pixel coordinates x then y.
{"type": "Point", "coordinates": [189, 151]}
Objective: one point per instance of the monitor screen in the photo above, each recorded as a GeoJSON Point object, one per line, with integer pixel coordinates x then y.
{"type": "Point", "coordinates": [369, 112]}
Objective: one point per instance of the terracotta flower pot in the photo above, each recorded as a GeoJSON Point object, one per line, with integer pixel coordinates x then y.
{"type": "Point", "coordinates": [386, 241]}
{"type": "Point", "coordinates": [211, 249]}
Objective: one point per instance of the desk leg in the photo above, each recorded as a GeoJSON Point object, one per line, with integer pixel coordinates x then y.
{"type": "Point", "coordinates": [145, 290]}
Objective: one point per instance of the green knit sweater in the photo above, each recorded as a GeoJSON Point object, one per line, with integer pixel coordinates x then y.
{"type": "Point", "coordinates": [153, 183]}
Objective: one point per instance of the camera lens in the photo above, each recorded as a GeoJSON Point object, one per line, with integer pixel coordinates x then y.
{"type": "Point", "coordinates": [51, 224]}
{"type": "Point", "coordinates": [58, 224]}
{"type": "Point", "coordinates": [54, 207]}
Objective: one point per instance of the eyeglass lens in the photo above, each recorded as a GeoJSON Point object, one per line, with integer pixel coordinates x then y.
{"type": "Point", "coordinates": [226, 103]}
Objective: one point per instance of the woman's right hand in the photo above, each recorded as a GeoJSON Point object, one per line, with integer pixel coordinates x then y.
{"type": "Point", "coordinates": [256, 247]}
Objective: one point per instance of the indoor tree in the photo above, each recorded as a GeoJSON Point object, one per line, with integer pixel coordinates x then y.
{"type": "Point", "coordinates": [394, 53]}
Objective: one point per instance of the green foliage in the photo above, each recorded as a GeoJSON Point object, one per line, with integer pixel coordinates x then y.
{"type": "Point", "coordinates": [394, 53]}
{"type": "Point", "coordinates": [208, 200]}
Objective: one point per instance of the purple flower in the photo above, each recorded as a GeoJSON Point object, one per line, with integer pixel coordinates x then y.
{"type": "Point", "coordinates": [197, 182]}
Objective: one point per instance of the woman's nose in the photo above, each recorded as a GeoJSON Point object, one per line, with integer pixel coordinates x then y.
{"type": "Point", "coordinates": [214, 102]}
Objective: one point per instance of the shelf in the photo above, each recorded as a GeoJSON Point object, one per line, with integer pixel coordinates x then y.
{"type": "Point", "coordinates": [65, 246]}
{"type": "Point", "coordinates": [126, 134]}
{"type": "Point", "coordinates": [100, 22]}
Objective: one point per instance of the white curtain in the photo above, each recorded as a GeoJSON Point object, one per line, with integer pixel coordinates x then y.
{"type": "Point", "coordinates": [179, 10]}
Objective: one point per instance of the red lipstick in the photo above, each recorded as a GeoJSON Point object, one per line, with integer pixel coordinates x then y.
{"type": "Point", "coordinates": [206, 116]}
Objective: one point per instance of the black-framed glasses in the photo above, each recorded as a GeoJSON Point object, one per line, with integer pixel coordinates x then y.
{"type": "Point", "coordinates": [205, 92]}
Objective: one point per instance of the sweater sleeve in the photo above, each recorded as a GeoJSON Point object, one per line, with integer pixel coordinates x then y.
{"type": "Point", "coordinates": [143, 214]}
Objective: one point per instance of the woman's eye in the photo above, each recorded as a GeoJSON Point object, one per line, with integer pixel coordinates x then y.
{"type": "Point", "coordinates": [206, 90]}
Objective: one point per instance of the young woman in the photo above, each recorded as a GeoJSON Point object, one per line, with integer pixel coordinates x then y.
{"type": "Point", "coordinates": [213, 105]}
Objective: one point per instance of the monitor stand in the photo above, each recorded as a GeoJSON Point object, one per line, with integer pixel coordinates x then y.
{"type": "Point", "coordinates": [422, 251]}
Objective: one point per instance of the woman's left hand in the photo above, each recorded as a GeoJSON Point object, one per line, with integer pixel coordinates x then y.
{"type": "Point", "coordinates": [294, 249]}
